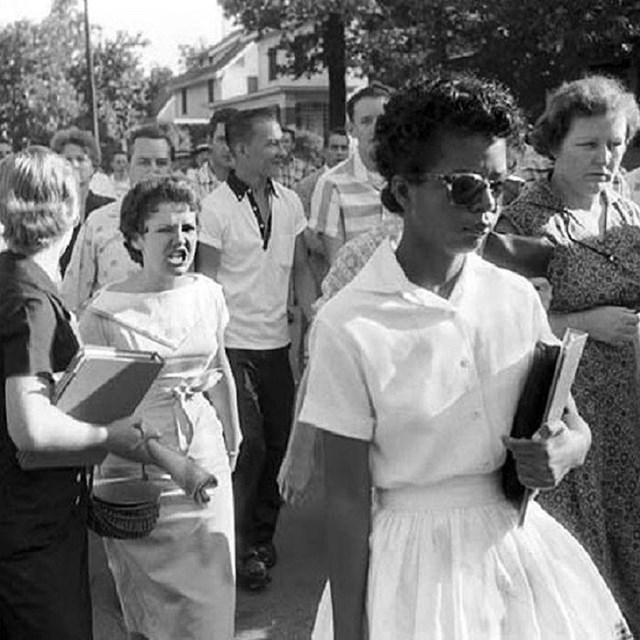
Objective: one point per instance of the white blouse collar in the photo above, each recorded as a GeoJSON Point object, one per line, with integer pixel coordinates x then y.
{"type": "Point", "coordinates": [383, 274]}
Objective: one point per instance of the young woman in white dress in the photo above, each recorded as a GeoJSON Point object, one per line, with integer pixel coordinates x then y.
{"type": "Point", "coordinates": [179, 581]}
{"type": "Point", "coordinates": [416, 368]}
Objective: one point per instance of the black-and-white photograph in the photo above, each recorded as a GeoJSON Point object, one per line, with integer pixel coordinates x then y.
{"type": "Point", "coordinates": [320, 320]}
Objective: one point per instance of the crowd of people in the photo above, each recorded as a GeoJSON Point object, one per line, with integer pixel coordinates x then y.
{"type": "Point", "coordinates": [439, 242]}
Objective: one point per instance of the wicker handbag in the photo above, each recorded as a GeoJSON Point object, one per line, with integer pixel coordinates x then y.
{"type": "Point", "coordinates": [123, 509]}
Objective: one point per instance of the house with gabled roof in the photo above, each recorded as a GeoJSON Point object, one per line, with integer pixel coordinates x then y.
{"type": "Point", "coordinates": [241, 71]}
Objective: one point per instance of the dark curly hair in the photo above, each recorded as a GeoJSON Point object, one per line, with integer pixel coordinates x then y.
{"type": "Point", "coordinates": [415, 118]}
{"type": "Point", "coordinates": [144, 198]}
{"type": "Point", "coordinates": [594, 95]}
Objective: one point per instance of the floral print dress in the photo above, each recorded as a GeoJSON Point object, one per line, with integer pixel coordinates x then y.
{"type": "Point", "coordinates": [600, 501]}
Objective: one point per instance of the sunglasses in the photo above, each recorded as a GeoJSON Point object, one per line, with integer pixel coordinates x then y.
{"type": "Point", "coordinates": [465, 189]}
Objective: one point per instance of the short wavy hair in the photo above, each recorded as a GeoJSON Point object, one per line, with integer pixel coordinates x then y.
{"type": "Point", "coordinates": [594, 95]}
{"type": "Point", "coordinates": [39, 199]}
{"type": "Point", "coordinates": [144, 198]}
{"type": "Point", "coordinates": [409, 132]}
{"type": "Point", "coordinates": [82, 139]}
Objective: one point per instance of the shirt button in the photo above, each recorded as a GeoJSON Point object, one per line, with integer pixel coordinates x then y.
{"type": "Point", "coordinates": [79, 476]}
{"type": "Point", "coordinates": [464, 363]}
{"type": "Point", "coordinates": [477, 415]}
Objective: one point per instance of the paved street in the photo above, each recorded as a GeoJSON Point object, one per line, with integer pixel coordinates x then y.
{"type": "Point", "coordinates": [284, 611]}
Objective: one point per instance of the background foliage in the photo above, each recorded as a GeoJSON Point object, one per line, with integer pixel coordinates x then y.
{"type": "Point", "coordinates": [43, 78]}
{"type": "Point", "coordinates": [531, 45]}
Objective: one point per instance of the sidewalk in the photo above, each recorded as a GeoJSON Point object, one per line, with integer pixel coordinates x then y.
{"type": "Point", "coordinates": [286, 610]}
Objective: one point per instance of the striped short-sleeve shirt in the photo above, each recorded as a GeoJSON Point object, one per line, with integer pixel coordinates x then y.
{"type": "Point", "coordinates": [346, 201]}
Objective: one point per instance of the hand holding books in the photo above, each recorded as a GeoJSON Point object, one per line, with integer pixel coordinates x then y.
{"type": "Point", "coordinates": [125, 439]}
{"type": "Point", "coordinates": [547, 430]}
{"type": "Point", "coordinates": [544, 460]}
{"type": "Point", "coordinates": [102, 388]}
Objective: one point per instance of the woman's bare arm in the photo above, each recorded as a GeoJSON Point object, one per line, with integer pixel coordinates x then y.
{"type": "Point", "coordinates": [35, 424]}
{"type": "Point", "coordinates": [348, 516]}
{"type": "Point", "coordinates": [223, 397]}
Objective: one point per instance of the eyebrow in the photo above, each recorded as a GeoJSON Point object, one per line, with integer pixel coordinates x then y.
{"type": "Point", "coordinates": [162, 227]}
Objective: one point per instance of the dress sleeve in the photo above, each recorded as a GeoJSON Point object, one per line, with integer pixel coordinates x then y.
{"type": "Point", "coordinates": [349, 261]}
{"type": "Point", "coordinates": [30, 334]}
{"type": "Point", "coordinates": [522, 217]}
{"type": "Point", "coordinates": [337, 397]}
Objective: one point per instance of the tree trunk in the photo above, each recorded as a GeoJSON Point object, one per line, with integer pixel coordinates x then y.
{"type": "Point", "coordinates": [335, 60]}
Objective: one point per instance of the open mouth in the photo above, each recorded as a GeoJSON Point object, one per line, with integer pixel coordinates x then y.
{"type": "Point", "coordinates": [178, 257]}
{"type": "Point", "coordinates": [476, 230]}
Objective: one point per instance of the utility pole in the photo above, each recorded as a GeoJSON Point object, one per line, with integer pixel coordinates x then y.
{"type": "Point", "coordinates": [335, 61]}
{"type": "Point", "coordinates": [91, 83]}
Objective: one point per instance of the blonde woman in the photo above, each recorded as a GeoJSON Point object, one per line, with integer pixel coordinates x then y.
{"type": "Point", "coordinates": [44, 586]}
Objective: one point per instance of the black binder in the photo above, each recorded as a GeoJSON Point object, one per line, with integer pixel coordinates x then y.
{"type": "Point", "coordinates": [543, 401]}
{"type": "Point", "coordinates": [530, 412]}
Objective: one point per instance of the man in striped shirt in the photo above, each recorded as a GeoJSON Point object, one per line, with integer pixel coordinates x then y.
{"type": "Point", "coordinates": [346, 201]}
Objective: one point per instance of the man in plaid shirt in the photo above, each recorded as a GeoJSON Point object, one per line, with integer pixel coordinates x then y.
{"type": "Point", "coordinates": [293, 169]}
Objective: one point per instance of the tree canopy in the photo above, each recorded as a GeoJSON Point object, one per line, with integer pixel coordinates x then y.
{"type": "Point", "coordinates": [531, 45]}
{"type": "Point", "coordinates": [43, 77]}
{"type": "Point", "coordinates": [314, 35]}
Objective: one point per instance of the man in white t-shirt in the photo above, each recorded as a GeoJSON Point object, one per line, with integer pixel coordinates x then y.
{"type": "Point", "coordinates": [251, 240]}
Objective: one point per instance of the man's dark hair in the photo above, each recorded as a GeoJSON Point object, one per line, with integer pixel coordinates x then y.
{"type": "Point", "coordinates": [221, 116]}
{"type": "Point", "coordinates": [336, 131]}
{"type": "Point", "coordinates": [240, 128]}
{"type": "Point", "coordinates": [152, 132]}
{"type": "Point", "coordinates": [373, 90]}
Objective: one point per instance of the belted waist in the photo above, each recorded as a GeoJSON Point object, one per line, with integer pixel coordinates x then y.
{"type": "Point", "coordinates": [182, 390]}
{"type": "Point", "coordinates": [452, 493]}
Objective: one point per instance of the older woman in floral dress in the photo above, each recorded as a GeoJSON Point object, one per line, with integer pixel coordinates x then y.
{"type": "Point", "coordinates": [594, 269]}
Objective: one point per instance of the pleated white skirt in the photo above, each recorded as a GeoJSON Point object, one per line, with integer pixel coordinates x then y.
{"type": "Point", "coordinates": [448, 562]}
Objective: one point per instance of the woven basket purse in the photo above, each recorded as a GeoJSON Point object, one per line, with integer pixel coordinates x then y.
{"type": "Point", "coordinates": [123, 509]}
